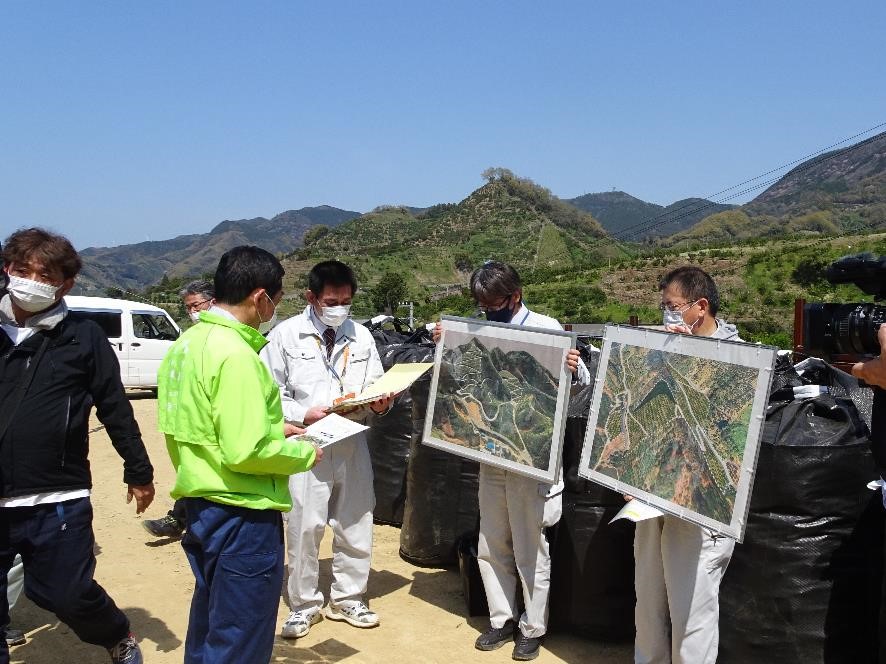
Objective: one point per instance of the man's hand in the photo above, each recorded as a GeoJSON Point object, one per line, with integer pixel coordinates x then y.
{"type": "Point", "coordinates": [572, 359]}
{"type": "Point", "coordinates": [380, 406]}
{"type": "Point", "coordinates": [873, 372]}
{"type": "Point", "coordinates": [438, 332]}
{"type": "Point", "coordinates": [679, 329]}
{"type": "Point", "coordinates": [315, 413]}
{"type": "Point", "coordinates": [292, 430]}
{"type": "Point", "coordinates": [143, 495]}
{"type": "Point", "coordinates": [318, 451]}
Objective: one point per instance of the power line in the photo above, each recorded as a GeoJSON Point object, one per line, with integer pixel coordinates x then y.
{"type": "Point", "coordinates": [670, 216]}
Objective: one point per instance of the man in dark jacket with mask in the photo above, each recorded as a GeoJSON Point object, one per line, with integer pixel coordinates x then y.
{"type": "Point", "coordinates": [53, 369]}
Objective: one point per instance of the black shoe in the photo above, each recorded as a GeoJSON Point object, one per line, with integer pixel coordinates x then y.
{"type": "Point", "coordinates": [168, 526]}
{"type": "Point", "coordinates": [525, 648]}
{"type": "Point", "coordinates": [15, 637]}
{"type": "Point", "coordinates": [495, 637]}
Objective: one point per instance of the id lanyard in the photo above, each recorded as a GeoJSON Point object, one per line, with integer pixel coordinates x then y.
{"type": "Point", "coordinates": [330, 364]}
{"type": "Point", "coordinates": [525, 316]}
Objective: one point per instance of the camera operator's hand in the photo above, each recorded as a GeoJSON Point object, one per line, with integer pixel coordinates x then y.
{"type": "Point", "coordinates": [873, 372]}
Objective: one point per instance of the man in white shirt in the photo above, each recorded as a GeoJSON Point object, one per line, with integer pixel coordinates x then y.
{"type": "Point", "coordinates": [515, 510]}
{"type": "Point", "coordinates": [317, 357]}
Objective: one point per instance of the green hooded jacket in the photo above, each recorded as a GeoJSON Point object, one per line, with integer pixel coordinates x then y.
{"type": "Point", "coordinates": [220, 410]}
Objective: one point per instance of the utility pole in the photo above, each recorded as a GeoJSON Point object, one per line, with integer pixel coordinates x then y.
{"type": "Point", "coordinates": [409, 304]}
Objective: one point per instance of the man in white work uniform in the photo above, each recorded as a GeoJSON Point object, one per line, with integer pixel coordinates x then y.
{"type": "Point", "coordinates": [316, 357]}
{"type": "Point", "coordinates": [515, 510]}
{"type": "Point", "coordinates": [679, 565]}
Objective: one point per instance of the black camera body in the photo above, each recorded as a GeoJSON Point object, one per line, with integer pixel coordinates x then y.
{"type": "Point", "coordinates": [848, 329]}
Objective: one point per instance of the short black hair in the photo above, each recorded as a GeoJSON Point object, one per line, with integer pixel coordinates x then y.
{"type": "Point", "coordinates": [694, 284]}
{"type": "Point", "coordinates": [331, 273]}
{"type": "Point", "coordinates": [494, 280]}
{"type": "Point", "coordinates": [243, 269]}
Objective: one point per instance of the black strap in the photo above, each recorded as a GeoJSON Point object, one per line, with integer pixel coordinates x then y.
{"type": "Point", "coordinates": [9, 413]}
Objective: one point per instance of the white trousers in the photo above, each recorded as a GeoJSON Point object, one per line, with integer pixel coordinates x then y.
{"type": "Point", "coordinates": [513, 515]}
{"type": "Point", "coordinates": [337, 491]}
{"type": "Point", "coordinates": [15, 581]}
{"type": "Point", "coordinates": [679, 567]}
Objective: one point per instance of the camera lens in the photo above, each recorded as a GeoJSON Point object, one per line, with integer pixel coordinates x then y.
{"type": "Point", "coordinates": [842, 329]}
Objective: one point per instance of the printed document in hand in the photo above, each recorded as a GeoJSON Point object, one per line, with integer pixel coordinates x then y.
{"type": "Point", "coordinates": [330, 429]}
{"type": "Point", "coordinates": [395, 380]}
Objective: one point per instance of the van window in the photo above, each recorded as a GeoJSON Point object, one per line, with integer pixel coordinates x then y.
{"type": "Point", "coordinates": [108, 321]}
{"type": "Point", "coordinates": [153, 326]}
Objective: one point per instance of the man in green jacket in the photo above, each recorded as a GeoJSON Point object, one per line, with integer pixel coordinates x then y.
{"type": "Point", "coordinates": [220, 410]}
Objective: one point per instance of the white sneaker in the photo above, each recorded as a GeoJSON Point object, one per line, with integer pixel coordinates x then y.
{"type": "Point", "coordinates": [356, 613]}
{"type": "Point", "coordinates": [299, 623]}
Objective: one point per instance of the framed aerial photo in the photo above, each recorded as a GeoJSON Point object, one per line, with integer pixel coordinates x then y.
{"type": "Point", "coordinates": [499, 395]}
{"type": "Point", "coordinates": [676, 421]}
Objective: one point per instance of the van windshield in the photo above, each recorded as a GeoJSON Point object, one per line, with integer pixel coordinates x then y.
{"type": "Point", "coordinates": [153, 326]}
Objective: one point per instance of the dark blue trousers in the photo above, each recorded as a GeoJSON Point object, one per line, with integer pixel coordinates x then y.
{"type": "Point", "coordinates": [236, 555]}
{"type": "Point", "coordinates": [56, 544]}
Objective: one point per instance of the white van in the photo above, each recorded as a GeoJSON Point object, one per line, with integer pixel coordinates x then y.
{"type": "Point", "coordinates": [139, 333]}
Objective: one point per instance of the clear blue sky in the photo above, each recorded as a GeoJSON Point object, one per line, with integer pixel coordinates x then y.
{"type": "Point", "coordinates": [122, 121]}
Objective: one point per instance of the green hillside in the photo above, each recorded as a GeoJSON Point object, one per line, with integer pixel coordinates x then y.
{"type": "Point", "coordinates": [509, 218]}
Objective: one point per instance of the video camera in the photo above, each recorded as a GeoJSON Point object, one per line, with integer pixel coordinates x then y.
{"type": "Point", "coordinates": [848, 330]}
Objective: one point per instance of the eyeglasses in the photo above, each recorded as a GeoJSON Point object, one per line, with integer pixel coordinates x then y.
{"type": "Point", "coordinates": [195, 306]}
{"type": "Point", "coordinates": [483, 308]}
{"type": "Point", "coordinates": [675, 307]}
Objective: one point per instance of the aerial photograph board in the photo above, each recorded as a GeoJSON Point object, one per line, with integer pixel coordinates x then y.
{"type": "Point", "coordinates": [499, 394]}
{"type": "Point", "coordinates": [676, 422]}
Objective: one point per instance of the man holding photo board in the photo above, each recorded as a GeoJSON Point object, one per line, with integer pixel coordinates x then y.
{"type": "Point", "coordinates": [515, 510]}
{"type": "Point", "coordinates": [679, 565]}
{"type": "Point", "coordinates": [317, 357]}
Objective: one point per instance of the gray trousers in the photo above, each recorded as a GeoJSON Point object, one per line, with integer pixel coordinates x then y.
{"type": "Point", "coordinates": [678, 571]}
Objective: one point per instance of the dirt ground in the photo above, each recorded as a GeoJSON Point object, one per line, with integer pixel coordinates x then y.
{"type": "Point", "coordinates": [423, 616]}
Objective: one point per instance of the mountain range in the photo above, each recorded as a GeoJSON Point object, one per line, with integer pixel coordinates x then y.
{"type": "Point", "coordinates": [135, 266]}
{"type": "Point", "coordinates": [632, 219]}
{"type": "Point", "coordinates": [513, 219]}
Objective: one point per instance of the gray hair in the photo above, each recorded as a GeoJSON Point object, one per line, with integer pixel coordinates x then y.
{"type": "Point", "coordinates": [201, 287]}
{"type": "Point", "coordinates": [494, 280]}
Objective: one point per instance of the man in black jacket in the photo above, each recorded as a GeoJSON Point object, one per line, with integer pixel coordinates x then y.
{"type": "Point", "coordinates": [53, 369]}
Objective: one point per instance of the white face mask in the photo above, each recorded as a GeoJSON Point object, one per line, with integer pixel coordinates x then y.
{"type": "Point", "coordinates": [266, 326]}
{"type": "Point", "coordinates": [676, 317]}
{"type": "Point", "coordinates": [334, 316]}
{"type": "Point", "coordinates": [32, 296]}
{"type": "Point", "coordinates": [669, 317]}
{"type": "Point", "coordinates": [194, 316]}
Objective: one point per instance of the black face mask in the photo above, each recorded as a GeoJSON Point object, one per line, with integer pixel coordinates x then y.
{"type": "Point", "coordinates": [503, 315]}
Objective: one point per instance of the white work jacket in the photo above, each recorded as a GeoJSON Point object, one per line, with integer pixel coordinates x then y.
{"type": "Point", "coordinates": [296, 356]}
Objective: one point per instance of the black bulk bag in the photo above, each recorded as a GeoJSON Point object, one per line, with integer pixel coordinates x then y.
{"type": "Point", "coordinates": [805, 584]}
{"type": "Point", "coordinates": [441, 495]}
{"type": "Point", "coordinates": [592, 562]}
{"type": "Point", "coordinates": [389, 439]}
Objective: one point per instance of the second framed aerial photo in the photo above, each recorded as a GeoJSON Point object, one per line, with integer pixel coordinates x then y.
{"type": "Point", "coordinates": [676, 421]}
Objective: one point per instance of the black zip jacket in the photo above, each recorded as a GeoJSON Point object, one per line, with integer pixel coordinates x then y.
{"type": "Point", "coordinates": [46, 445]}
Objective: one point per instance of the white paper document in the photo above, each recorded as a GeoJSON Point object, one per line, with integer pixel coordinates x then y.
{"type": "Point", "coordinates": [636, 510]}
{"type": "Point", "coordinates": [395, 380]}
{"type": "Point", "coordinates": [331, 429]}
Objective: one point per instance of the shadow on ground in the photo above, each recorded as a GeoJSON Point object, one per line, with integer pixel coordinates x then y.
{"type": "Point", "coordinates": [329, 650]}
{"type": "Point", "coordinates": [48, 638]}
